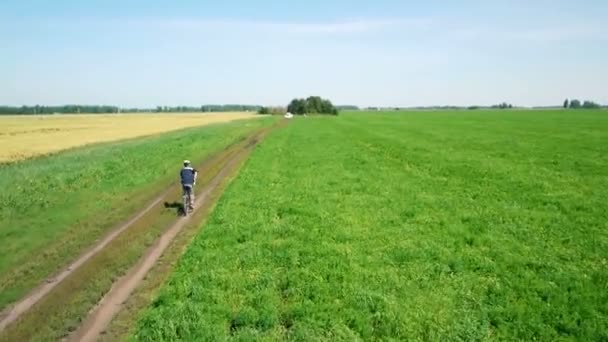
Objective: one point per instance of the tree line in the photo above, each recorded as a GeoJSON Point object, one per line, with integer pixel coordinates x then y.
{"type": "Point", "coordinates": [102, 109]}
{"type": "Point", "coordinates": [576, 104]}
{"type": "Point", "coordinates": [347, 107]}
{"type": "Point", "coordinates": [503, 105]}
{"type": "Point", "coordinates": [68, 109]}
{"type": "Point", "coordinates": [310, 105]}
{"type": "Point", "coordinates": [272, 110]}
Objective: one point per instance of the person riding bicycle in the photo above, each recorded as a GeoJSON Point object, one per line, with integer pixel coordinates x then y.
{"type": "Point", "coordinates": [188, 177]}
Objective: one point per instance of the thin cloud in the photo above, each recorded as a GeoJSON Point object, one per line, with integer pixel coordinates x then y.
{"type": "Point", "coordinates": [561, 34]}
{"type": "Point", "coordinates": [330, 27]}
{"type": "Point", "coordinates": [431, 29]}
{"type": "Point", "coordinates": [547, 34]}
{"type": "Point", "coordinates": [409, 27]}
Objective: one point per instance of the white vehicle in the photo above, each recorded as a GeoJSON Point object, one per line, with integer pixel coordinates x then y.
{"type": "Point", "coordinates": [288, 115]}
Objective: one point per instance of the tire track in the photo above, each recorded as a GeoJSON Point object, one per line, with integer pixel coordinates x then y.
{"type": "Point", "coordinates": [101, 316]}
{"type": "Point", "coordinates": [14, 312]}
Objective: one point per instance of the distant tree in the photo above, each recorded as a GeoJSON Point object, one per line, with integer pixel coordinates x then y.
{"type": "Point", "coordinates": [297, 106]}
{"type": "Point", "coordinates": [566, 104]}
{"type": "Point", "coordinates": [503, 105]}
{"type": "Point", "coordinates": [575, 104]}
{"type": "Point", "coordinates": [347, 107]}
{"type": "Point", "coordinates": [98, 109]}
{"type": "Point", "coordinates": [590, 105]}
{"type": "Point", "coordinates": [312, 105]}
{"type": "Point", "coordinates": [264, 110]}
{"type": "Point", "coordinates": [278, 110]}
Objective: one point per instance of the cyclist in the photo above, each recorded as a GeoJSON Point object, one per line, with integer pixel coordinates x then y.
{"type": "Point", "coordinates": [188, 177]}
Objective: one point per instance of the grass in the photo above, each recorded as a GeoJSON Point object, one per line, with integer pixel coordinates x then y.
{"type": "Point", "coordinates": [26, 136]}
{"type": "Point", "coordinates": [481, 225]}
{"type": "Point", "coordinates": [54, 207]}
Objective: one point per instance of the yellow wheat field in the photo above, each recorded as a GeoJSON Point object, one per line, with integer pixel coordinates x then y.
{"type": "Point", "coordinates": [22, 137]}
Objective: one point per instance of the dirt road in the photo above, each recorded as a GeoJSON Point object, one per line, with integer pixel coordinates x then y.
{"type": "Point", "coordinates": [111, 304]}
{"type": "Point", "coordinates": [221, 165]}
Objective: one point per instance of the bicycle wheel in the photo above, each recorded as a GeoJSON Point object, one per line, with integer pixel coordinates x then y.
{"type": "Point", "coordinates": [185, 205]}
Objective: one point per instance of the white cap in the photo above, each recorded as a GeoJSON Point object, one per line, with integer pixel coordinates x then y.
{"type": "Point", "coordinates": [186, 161]}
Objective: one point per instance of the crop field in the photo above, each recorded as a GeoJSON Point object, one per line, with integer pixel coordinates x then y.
{"type": "Point", "coordinates": [25, 136]}
{"type": "Point", "coordinates": [475, 225]}
{"type": "Point", "coordinates": [52, 208]}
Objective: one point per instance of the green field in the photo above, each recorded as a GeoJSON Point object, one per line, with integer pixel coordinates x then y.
{"type": "Point", "coordinates": [413, 226]}
{"type": "Point", "coordinates": [53, 207]}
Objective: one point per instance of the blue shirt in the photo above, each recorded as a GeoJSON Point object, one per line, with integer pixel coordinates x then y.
{"type": "Point", "coordinates": [187, 175]}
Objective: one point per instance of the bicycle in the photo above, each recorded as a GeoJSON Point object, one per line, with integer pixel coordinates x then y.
{"type": "Point", "coordinates": [188, 198]}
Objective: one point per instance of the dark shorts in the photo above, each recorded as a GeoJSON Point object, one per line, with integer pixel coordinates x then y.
{"type": "Point", "coordinates": [187, 188]}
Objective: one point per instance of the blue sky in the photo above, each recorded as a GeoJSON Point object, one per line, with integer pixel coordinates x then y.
{"type": "Point", "coordinates": [383, 52]}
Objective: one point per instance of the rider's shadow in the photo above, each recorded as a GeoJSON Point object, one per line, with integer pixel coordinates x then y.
{"type": "Point", "coordinates": [179, 207]}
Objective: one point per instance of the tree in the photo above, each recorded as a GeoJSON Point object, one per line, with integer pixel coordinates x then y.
{"type": "Point", "coordinates": [297, 106]}
{"type": "Point", "coordinates": [590, 105]}
{"type": "Point", "coordinates": [347, 107]}
{"type": "Point", "coordinates": [575, 104]}
{"type": "Point", "coordinates": [264, 110]}
{"type": "Point", "coordinates": [503, 105]}
{"type": "Point", "coordinates": [566, 103]}
{"type": "Point", "coordinates": [312, 105]}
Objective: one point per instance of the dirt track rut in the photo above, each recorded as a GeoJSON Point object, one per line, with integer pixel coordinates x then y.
{"type": "Point", "coordinates": [112, 302]}
{"type": "Point", "coordinates": [42, 290]}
